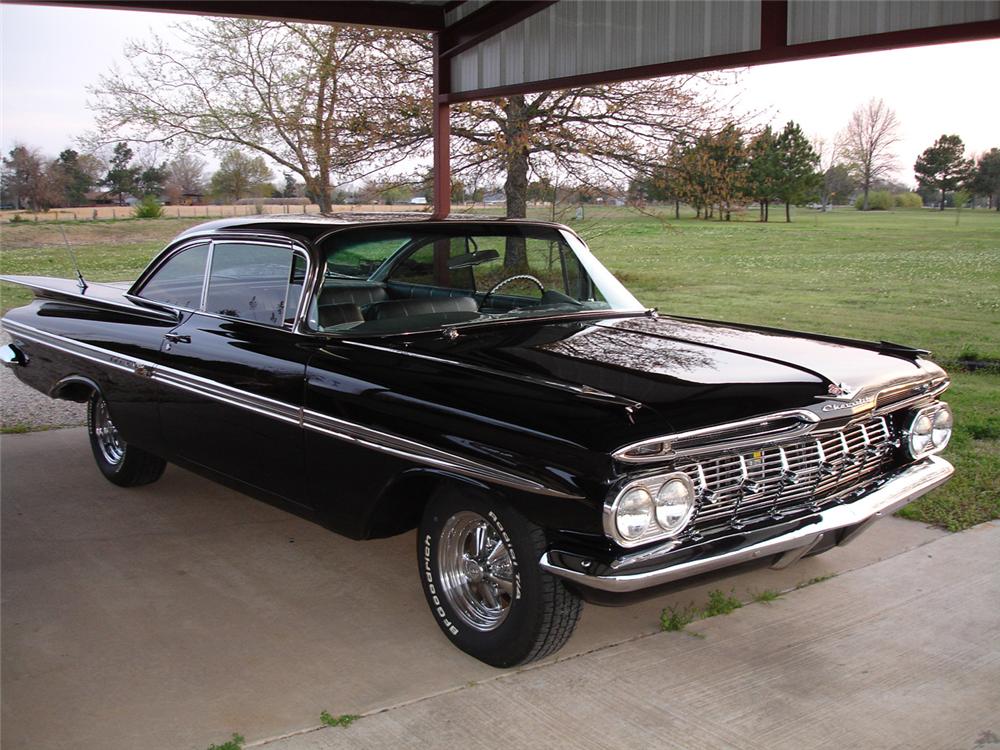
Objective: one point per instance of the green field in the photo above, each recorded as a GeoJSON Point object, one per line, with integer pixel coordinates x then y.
{"type": "Point", "coordinates": [912, 277]}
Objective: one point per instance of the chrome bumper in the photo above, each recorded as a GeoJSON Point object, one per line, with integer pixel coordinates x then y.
{"type": "Point", "coordinates": [907, 485]}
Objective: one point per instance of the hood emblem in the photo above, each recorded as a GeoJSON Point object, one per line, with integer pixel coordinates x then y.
{"type": "Point", "coordinates": [840, 389]}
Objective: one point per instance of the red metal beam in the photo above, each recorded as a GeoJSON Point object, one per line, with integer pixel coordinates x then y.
{"type": "Point", "coordinates": [487, 22]}
{"type": "Point", "coordinates": [441, 134]}
{"type": "Point", "coordinates": [964, 32]}
{"type": "Point", "coordinates": [773, 24]}
{"type": "Point", "coordinates": [385, 13]}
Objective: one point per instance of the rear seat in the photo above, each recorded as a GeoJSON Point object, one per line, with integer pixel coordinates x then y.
{"type": "Point", "coordinates": [360, 295]}
{"type": "Point", "coordinates": [345, 303]}
{"type": "Point", "coordinates": [404, 308]}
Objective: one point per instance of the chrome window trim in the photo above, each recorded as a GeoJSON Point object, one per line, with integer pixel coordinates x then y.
{"type": "Point", "coordinates": [207, 276]}
{"type": "Point", "coordinates": [359, 434]}
{"type": "Point", "coordinates": [269, 241]}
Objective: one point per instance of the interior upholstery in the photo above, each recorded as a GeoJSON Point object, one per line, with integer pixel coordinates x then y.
{"type": "Point", "coordinates": [333, 315]}
{"type": "Point", "coordinates": [359, 294]}
{"type": "Point", "coordinates": [398, 308]}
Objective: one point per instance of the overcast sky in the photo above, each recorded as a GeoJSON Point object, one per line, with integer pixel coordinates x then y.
{"type": "Point", "coordinates": [50, 54]}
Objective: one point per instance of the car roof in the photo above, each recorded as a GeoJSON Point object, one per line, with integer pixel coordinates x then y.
{"type": "Point", "coordinates": [312, 226]}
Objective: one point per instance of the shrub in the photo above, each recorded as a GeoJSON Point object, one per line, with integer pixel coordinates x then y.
{"type": "Point", "coordinates": [148, 208]}
{"type": "Point", "coordinates": [908, 200]}
{"type": "Point", "coordinates": [878, 200]}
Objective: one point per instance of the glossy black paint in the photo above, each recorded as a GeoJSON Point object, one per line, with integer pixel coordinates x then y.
{"type": "Point", "coordinates": [545, 400]}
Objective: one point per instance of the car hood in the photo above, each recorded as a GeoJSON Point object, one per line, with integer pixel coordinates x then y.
{"type": "Point", "coordinates": [665, 374]}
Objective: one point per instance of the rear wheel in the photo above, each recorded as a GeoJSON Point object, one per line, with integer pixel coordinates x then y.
{"type": "Point", "coordinates": [479, 568]}
{"type": "Point", "coordinates": [121, 463]}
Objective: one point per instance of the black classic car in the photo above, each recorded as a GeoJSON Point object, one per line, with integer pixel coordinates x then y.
{"type": "Point", "coordinates": [491, 384]}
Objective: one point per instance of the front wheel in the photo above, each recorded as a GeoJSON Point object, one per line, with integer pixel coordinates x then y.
{"type": "Point", "coordinates": [121, 463]}
{"type": "Point", "coordinates": [479, 568]}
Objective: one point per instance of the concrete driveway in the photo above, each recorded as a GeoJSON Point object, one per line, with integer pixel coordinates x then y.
{"type": "Point", "coordinates": [173, 615]}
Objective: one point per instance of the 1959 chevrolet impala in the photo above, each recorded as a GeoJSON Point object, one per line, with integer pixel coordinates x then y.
{"type": "Point", "coordinates": [491, 384]}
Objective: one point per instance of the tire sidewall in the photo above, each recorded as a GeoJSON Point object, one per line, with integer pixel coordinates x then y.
{"type": "Point", "coordinates": [513, 640]}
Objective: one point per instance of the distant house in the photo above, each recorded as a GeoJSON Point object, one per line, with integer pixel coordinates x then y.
{"type": "Point", "coordinates": [418, 201]}
{"type": "Point", "coordinates": [191, 199]}
{"type": "Point", "coordinates": [494, 199]}
{"type": "Point", "coordinates": [99, 198]}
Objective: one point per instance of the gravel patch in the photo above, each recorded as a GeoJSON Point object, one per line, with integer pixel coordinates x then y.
{"type": "Point", "coordinates": [21, 406]}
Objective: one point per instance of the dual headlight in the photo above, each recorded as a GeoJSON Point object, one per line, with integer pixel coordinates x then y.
{"type": "Point", "coordinates": [929, 430]}
{"type": "Point", "coordinates": [656, 507]}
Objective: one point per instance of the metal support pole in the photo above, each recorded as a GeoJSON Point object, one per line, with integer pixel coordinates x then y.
{"type": "Point", "coordinates": [442, 133]}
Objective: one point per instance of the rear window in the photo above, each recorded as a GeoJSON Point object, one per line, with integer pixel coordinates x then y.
{"type": "Point", "coordinates": [179, 280]}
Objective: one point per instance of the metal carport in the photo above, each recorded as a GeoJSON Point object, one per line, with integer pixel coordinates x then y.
{"type": "Point", "coordinates": [486, 49]}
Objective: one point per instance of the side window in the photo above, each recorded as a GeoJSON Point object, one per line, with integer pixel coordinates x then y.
{"type": "Point", "coordinates": [179, 281]}
{"type": "Point", "coordinates": [250, 282]}
{"type": "Point", "coordinates": [419, 266]}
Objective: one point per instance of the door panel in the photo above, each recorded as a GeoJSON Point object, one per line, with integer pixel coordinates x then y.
{"type": "Point", "coordinates": [239, 414]}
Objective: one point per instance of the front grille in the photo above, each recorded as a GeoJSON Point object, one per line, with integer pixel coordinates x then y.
{"type": "Point", "coordinates": [737, 488]}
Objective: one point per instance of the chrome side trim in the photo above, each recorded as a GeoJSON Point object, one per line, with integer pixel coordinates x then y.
{"type": "Point", "coordinates": [808, 420]}
{"type": "Point", "coordinates": [906, 485]}
{"type": "Point", "coordinates": [406, 448]}
{"type": "Point", "coordinates": [579, 390]}
{"type": "Point", "coordinates": [383, 442]}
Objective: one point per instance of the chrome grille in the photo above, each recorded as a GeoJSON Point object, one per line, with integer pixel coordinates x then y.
{"type": "Point", "coordinates": [772, 481]}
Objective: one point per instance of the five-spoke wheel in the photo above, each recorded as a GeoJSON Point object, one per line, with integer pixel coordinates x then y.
{"type": "Point", "coordinates": [479, 567]}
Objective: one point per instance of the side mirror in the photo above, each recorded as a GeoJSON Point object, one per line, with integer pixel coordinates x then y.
{"type": "Point", "coordinates": [472, 259]}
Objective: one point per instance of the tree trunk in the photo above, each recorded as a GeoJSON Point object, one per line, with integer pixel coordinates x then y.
{"type": "Point", "coordinates": [942, 200]}
{"type": "Point", "coordinates": [864, 204]}
{"type": "Point", "coordinates": [788, 212]}
{"type": "Point", "coordinates": [518, 135]}
{"type": "Point", "coordinates": [767, 211]}
{"type": "Point", "coordinates": [761, 207]}
{"type": "Point", "coordinates": [677, 209]}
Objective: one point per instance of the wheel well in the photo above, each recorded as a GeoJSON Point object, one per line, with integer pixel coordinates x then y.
{"type": "Point", "coordinates": [402, 503]}
{"type": "Point", "coordinates": [74, 388]}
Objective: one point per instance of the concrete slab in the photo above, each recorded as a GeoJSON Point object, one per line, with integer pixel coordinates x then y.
{"type": "Point", "coordinates": [902, 654]}
{"type": "Point", "coordinates": [175, 614]}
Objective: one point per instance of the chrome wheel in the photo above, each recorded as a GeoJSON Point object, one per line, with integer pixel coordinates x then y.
{"type": "Point", "coordinates": [477, 570]}
{"type": "Point", "coordinates": [111, 445]}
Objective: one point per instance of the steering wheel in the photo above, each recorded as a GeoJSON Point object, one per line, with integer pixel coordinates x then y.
{"type": "Point", "coordinates": [503, 282]}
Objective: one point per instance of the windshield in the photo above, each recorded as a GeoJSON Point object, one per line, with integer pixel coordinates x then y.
{"type": "Point", "coordinates": [390, 280]}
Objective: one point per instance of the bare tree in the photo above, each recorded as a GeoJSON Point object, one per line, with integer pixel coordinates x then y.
{"type": "Point", "coordinates": [29, 180]}
{"type": "Point", "coordinates": [868, 143]}
{"type": "Point", "coordinates": [327, 103]}
{"type": "Point", "coordinates": [596, 136]}
{"type": "Point", "coordinates": [185, 176]}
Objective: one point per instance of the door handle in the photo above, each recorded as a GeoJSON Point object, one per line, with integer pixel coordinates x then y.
{"type": "Point", "coordinates": [177, 338]}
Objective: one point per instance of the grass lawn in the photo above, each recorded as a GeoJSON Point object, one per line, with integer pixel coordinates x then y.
{"type": "Point", "coordinates": [912, 277]}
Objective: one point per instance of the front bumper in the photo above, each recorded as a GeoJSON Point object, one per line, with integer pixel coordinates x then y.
{"type": "Point", "coordinates": [848, 520]}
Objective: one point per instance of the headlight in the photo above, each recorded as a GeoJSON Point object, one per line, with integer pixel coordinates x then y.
{"type": "Point", "coordinates": [943, 422]}
{"type": "Point", "coordinates": [635, 511]}
{"type": "Point", "coordinates": [675, 503]}
{"type": "Point", "coordinates": [930, 430]}
{"type": "Point", "coordinates": [651, 508]}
